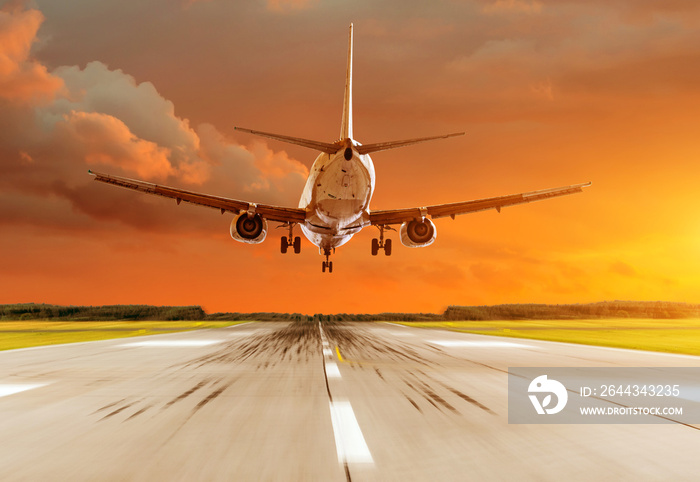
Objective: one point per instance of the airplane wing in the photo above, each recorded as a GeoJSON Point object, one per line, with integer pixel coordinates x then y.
{"type": "Point", "coordinates": [398, 216]}
{"type": "Point", "coordinates": [272, 213]}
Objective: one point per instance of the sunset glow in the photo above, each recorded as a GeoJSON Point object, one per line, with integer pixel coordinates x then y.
{"type": "Point", "coordinates": [550, 93]}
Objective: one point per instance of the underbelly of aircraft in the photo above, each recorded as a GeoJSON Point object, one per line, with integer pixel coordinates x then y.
{"type": "Point", "coordinates": [336, 198]}
{"type": "Point", "coordinates": [334, 221]}
{"type": "Point", "coordinates": [324, 238]}
{"type": "Point", "coordinates": [341, 212]}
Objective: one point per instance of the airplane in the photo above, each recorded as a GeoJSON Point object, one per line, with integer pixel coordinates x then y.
{"type": "Point", "coordinates": [334, 204]}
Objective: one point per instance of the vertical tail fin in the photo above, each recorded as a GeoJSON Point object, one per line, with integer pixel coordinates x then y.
{"type": "Point", "coordinates": [346, 125]}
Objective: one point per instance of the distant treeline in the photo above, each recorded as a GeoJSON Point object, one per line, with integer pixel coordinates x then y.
{"type": "Point", "coordinates": [32, 311]}
{"type": "Point", "coordinates": [605, 309]}
{"type": "Point", "coordinates": [321, 317]}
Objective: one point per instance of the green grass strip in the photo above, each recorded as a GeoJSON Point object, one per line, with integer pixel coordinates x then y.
{"type": "Point", "coordinates": [24, 334]}
{"type": "Point", "coordinates": [664, 335]}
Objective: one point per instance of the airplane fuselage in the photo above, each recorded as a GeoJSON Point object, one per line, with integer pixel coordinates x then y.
{"type": "Point", "coordinates": [336, 196]}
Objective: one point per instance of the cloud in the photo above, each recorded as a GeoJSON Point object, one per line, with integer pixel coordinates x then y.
{"type": "Point", "coordinates": [544, 89]}
{"type": "Point", "coordinates": [105, 139]}
{"type": "Point", "coordinates": [188, 3]}
{"type": "Point", "coordinates": [275, 167]}
{"type": "Point", "coordinates": [149, 116]}
{"type": "Point", "coordinates": [502, 279]}
{"type": "Point", "coordinates": [270, 176]}
{"type": "Point", "coordinates": [624, 269]}
{"type": "Point", "coordinates": [572, 56]}
{"type": "Point", "coordinates": [637, 12]}
{"type": "Point", "coordinates": [21, 78]}
{"type": "Point", "coordinates": [58, 124]}
{"type": "Point", "coordinates": [512, 6]}
{"type": "Point", "coordinates": [282, 6]}
{"type": "Point", "coordinates": [515, 67]}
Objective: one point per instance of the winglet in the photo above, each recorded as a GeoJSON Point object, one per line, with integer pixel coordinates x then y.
{"type": "Point", "coordinates": [346, 124]}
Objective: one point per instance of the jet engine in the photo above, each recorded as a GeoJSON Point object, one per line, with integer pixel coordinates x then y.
{"type": "Point", "coordinates": [418, 234]}
{"type": "Point", "coordinates": [249, 229]}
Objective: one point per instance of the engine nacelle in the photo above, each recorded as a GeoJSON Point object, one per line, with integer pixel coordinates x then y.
{"type": "Point", "coordinates": [247, 229]}
{"type": "Point", "coordinates": [418, 234]}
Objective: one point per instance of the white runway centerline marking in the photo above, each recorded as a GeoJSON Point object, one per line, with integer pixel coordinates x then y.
{"type": "Point", "coordinates": [12, 388]}
{"type": "Point", "coordinates": [332, 370]}
{"type": "Point", "coordinates": [349, 441]}
{"type": "Point", "coordinates": [478, 344]}
{"type": "Point", "coordinates": [173, 343]}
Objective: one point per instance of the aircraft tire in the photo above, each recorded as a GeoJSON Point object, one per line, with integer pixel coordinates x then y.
{"type": "Point", "coordinates": [297, 245]}
{"type": "Point", "coordinates": [284, 245]}
{"type": "Point", "coordinates": [375, 246]}
{"type": "Point", "coordinates": [387, 247]}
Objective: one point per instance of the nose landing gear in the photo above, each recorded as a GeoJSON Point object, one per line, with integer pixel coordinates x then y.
{"type": "Point", "coordinates": [327, 264]}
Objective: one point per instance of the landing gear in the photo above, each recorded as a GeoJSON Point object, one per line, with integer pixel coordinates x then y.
{"type": "Point", "coordinates": [327, 264]}
{"type": "Point", "coordinates": [378, 244]}
{"type": "Point", "coordinates": [289, 240]}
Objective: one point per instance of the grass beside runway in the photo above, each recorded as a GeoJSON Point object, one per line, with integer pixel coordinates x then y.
{"type": "Point", "coordinates": [665, 335]}
{"type": "Point", "coordinates": [24, 334]}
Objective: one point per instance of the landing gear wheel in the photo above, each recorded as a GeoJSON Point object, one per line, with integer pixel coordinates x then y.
{"type": "Point", "coordinates": [375, 246]}
{"type": "Point", "coordinates": [327, 263]}
{"type": "Point", "coordinates": [387, 247]}
{"type": "Point", "coordinates": [289, 241]}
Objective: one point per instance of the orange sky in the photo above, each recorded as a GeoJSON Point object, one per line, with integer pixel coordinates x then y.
{"type": "Point", "coordinates": [550, 93]}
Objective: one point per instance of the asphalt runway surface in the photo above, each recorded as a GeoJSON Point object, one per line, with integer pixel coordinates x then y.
{"type": "Point", "coordinates": [280, 401]}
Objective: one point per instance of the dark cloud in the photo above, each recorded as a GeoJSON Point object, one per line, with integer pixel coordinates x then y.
{"type": "Point", "coordinates": [60, 123]}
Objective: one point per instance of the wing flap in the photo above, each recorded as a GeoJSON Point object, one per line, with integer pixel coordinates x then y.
{"type": "Point", "coordinates": [272, 213]}
{"type": "Point", "coordinates": [398, 216]}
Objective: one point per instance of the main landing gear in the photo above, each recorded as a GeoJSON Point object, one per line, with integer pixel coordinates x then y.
{"type": "Point", "coordinates": [380, 243]}
{"type": "Point", "coordinates": [290, 241]}
{"type": "Point", "coordinates": [327, 264]}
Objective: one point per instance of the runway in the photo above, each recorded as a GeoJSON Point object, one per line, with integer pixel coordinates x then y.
{"type": "Point", "coordinates": [279, 401]}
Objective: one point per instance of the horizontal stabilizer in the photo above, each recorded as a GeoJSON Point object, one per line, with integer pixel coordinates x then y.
{"type": "Point", "coordinates": [326, 147]}
{"type": "Point", "coordinates": [382, 146]}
